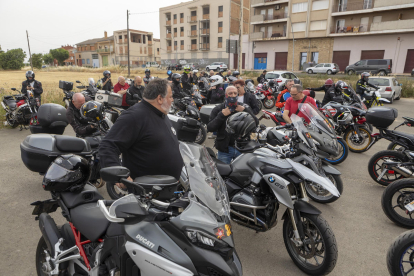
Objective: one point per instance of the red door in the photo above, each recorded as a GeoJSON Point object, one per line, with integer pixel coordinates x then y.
{"type": "Point", "coordinates": [409, 61]}
{"type": "Point", "coordinates": [341, 58]}
{"type": "Point", "coordinates": [375, 54]}
{"type": "Point", "coordinates": [236, 61]}
{"type": "Point", "coordinates": [281, 60]}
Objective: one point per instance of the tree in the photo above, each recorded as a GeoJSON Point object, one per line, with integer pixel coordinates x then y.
{"type": "Point", "coordinates": [12, 59]}
{"type": "Point", "coordinates": [1, 51]}
{"type": "Point", "coordinates": [48, 59]}
{"type": "Point", "coordinates": [60, 55]}
{"type": "Point", "coordinates": [37, 60]}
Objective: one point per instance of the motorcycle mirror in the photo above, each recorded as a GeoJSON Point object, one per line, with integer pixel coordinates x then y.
{"type": "Point", "coordinates": [78, 81]}
{"type": "Point", "coordinates": [14, 89]}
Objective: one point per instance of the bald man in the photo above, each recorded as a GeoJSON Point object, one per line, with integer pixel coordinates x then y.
{"type": "Point", "coordinates": [121, 88]}
{"type": "Point", "coordinates": [211, 73]}
{"type": "Point", "coordinates": [134, 94]}
{"type": "Point", "coordinates": [80, 125]}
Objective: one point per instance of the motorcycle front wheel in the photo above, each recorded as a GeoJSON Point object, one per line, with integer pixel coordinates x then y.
{"type": "Point", "coordinates": [396, 200]}
{"type": "Point", "coordinates": [11, 122]}
{"type": "Point", "coordinates": [357, 143]}
{"type": "Point", "coordinates": [41, 258]}
{"type": "Point", "coordinates": [400, 255]}
{"type": "Point", "coordinates": [318, 194]}
{"type": "Point", "coordinates": [202, 135]}
{"type": "Point", "coordinates": [269, 103]}
{"type": "Point", "coordinates": [376, 166]}
{"type": "Point", "coordinates": [318, 254]}
{"type": "Point", "coordinates": [343, 153]}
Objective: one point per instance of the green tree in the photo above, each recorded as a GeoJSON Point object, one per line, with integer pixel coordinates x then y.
{"type": "Point", "coordinates": [48, 59]}
{"type": "Point", "coordinates": [60, 55]}
{"type": "Point", "coordinates": [12, 59]}
{"type": "Point", "coordinates": [1, 51]}
{"type": "Point", "coordinates": [37, 60]}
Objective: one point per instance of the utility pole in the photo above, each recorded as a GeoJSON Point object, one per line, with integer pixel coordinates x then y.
{"type": "Point", "coordinates": [30, 54]}
{"type": "Point", "coordinates": [293, 41]}
{"type": "Point", "coordinates": [240, 38]}
{"type": "Point", "coordinates": [129, 69]}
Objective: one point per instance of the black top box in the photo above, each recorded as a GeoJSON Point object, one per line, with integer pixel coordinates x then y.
{"type": "Point", "coordinates": [66, 85]}
{"type": "Point", "coordinates": [381, 117]}
{"type": "Point", "coordinates": [186, 129]}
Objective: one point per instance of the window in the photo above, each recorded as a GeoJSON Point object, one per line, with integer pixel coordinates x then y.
{"type": "Point", "coordinates": [319, 65]}
{"type": "Point", "coordinates": [220, 24]}
{"type": "Point", "coordinates": [193, 41]}
{"type": "Point", "coordinates": [206, 10]}
{"type": "Point", "coordinates": [181, 15]}
{"type": "Point", "coordinates": [175, 17]}
{"type": "Point", "coordinates": [181, 29]}
{"type": "Point", "coordinates": [87, 61]}
{"type": "Point", "coordinates": [220, 27]}
{"type": "Point", "coordinates": [120, 37]}
{"type": "Point", "coordinates": [193, 27]}
{"type": "Point", "coordinates": [299, 27]}
{"type": "Point", "coordinates": [193, 13]}
{"type": "Point", "coordinates": [300, 7]}
{"type": "Point", "coordinates": [320, 5]}
{"type": "Point", "coordinates": [361, 62]}
{"type": "Point", "coordinates": [220, 11]}
{"type": "Point", "coordinates": [220, 39]}
{"type": "Point", "coordinates": [328, 65]}
{"type": "Point", "coordinates": [79, 56]}
{"type": "Point", "coordinates": [175, 43]}
{"type": "Point", "coordinates": [175, 30]}
{"type": "Point", "coordinates": [303, 58]}
{"type": "Point", "coordinates": [220, 42]}
{"type": "Point", "coordinates": [220, 8]}
{"type": "Point", "coordinates": [318, 25]}
{"type": "Point", "coordinates": [83, 61]}
{"type": "Point", "coordinates": [315, 57]}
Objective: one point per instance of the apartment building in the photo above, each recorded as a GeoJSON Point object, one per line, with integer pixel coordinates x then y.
{"type": "Point", "coordinates": [283, 32]}
{"type": "Point", "coordinates": [92, 53]}
{"type": "Point", "coordinates": [105, 51]}
{"type": "Point", "coordinates": [143, 48]}
{"type": "Point", "coordinates": [196, 31]}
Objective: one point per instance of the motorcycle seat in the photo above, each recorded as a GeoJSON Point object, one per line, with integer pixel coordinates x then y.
{"type": "Point", "coordinates": [69, 144]}
{"type": "Point", "coordinates": [405, 135]}
{"type": "Point", "coordinates": [11, 103]}
{"type": "Point", "coordinates": [223, 168]}
{"type": "Point", "coordinates": [168, 185]}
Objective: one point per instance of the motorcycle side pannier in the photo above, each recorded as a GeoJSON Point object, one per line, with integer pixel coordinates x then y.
{"type": "Point", "coordinates": [38, 151]}
{"type": "Point", "coordinates": [186, 129]}
{"type": "Point", "coordinates": [51, 118]}
{"type": "Point", "coordinates": [66, 85]}
{"type": "Point", "coordinates": [381, 117]}
{"type": "Point", "coordinates": [205, 112]}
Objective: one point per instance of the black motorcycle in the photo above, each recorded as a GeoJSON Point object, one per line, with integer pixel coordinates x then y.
{"type": "Point", "coordinates": [400, 255]}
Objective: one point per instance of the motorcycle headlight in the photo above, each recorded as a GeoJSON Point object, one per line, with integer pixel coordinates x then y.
{"type": "Point", "coordinates": [202, 238]}
{"type": "Point", "coordinates": [316, 142]}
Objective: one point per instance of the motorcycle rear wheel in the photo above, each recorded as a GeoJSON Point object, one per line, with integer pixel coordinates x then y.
{"type": "Point", "coordinates": [358, 146]}
{"type": "Point", "coordinates": [202, 135]}
{"type": "Point", "coordinates": [12, 123]}
{"type": "Point", "coordinates": [375, 166]}
{"type": "Point", "coordinates": [269, 103]}
{"type": "Point", "coordinates": [319, 194]}
{"type": "Point", "coordinates": [41, 257]}
{"type": "Point", "coordinates": [319, 240]}
{"type": "Point", "coordinates": [399, 250]}
{"type": "Point", "coordinates": [394, 209]}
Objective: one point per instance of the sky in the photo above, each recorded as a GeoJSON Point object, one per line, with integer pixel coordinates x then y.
{"type": "Point", "coordinates": [53, 23]}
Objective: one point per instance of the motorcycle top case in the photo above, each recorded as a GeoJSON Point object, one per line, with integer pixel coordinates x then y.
{"type": "Point", "coordinates": [38, 151]}
{"type": "Point", "coordinates": [205, 112]}
{"type": "Point", "coordinates": [51, 118]}
{"type": "Point", "coordinates": [381, 117]}
{"type": "Point", "coordinates": [113, 99]}
{"type": "Point", "coordinates": [186, 129]}
{"type": "Point", "coordinates": [66, 85]}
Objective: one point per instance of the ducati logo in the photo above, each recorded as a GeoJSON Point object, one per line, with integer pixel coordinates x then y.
{"type": "Point", "coordinates": [145, 241]}
{"type": "Point", "coordinates": [173, 130]}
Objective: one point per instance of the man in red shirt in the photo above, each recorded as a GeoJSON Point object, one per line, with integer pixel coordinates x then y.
{"type": "Point", "coordinates": [121, 88]}
{"type": "Point", "coordinates": [292, 104]}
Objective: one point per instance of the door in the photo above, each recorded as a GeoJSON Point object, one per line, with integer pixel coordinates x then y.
{"type": "Point", "coordinates": [342, 5]}
{"type": "Point", "coordinates": [396, 88]}
{"type": "Point", "coordinates": [235, 61]}
{"type": "Point", "coordinates": [341, 58]}
{"type": "Point", "coordinates": [104, 60]}
{"type": "Point", "coordinates": [270, 14]}
{"type": "Point", "coordinates": [260, 61]}
{"type": "Point", "coordinates": [281, 60]}
{"type": "Point", "coordinates": [95, 63]}
{"type": "Point", "coordinates": [409, 61]}
{"type": "Point", "coordinates": [364, 24]}
{"type": "Point", "coordinates": [269, 32]}
{"type": "Point", "coordinates": [318, 68]}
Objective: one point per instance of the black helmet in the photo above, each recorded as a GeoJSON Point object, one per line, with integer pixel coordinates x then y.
{"type": "Point", "coordinates": [221, 70]}
{"type": "Point", "coordinates": [30, 74]}
{"type": "Point", "coordinates": [67, 173]}
{"type": "Point", "coordinates": [147, 71]}
{"type": "Point", "coordinates": [271, 83]}
{"type": "Point", "coordinates": [365, 76]}
{"type": "Point", "coordinates": [240, 124]}
{"type": "Point", "coordinates": [265, 86]}
{"type": "Point", "coordinates": [106, 72]}
{"type": "Point", "coordinates": [176, 76]}
{"type": "Point", "coordinates": [231, 79]}
{"type": "Point", "coordinates": [236, 74]}
{"type": "Point", "coordinates": [91, 111]}
{"type": "Point", "coordinates": [296, 81]}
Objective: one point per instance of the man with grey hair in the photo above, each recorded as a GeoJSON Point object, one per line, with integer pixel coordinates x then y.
{"type": "Point", "coordinates": [292, 104]}
{"type": "Point", "coordinates": [284, 94]}
{"type": "Point", "coordinates": [134, 93]}
{"type": "Point", "coordinates": [121, 88]}
{"type": "Point", "coordinates": [145, 137]}
{"type": "Point", "coordinates": [80, 125]}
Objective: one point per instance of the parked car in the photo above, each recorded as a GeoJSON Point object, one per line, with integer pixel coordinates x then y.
{"type": "Point", "coordinates": [389, 87]}
{"type": "Point", "coordinates": [193, 66]}
{"type": "Point", "coordinates": [152, 64]}
{"type": "Point", "coordinates": [382, 67]}
{"type": "Point", "coordinates": [281, 77]}
{"type": "Point", "coordinates": [175, 67]}
{"type": "Point", "coordinates": [324, 68]}
{"type": "Point", "coordinates": [216, 66]}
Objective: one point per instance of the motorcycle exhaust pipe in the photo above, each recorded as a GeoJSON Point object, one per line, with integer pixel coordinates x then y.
{"type": "Point", "coordinates": [4, 106]}
{"type": "Point", "coordinates": [404, 172]}
{"type": "Point", "coordinates": [50, 232]}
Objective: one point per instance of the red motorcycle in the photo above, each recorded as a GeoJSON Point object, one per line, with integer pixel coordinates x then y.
{"type": "Point", "coordinates": [265, 94]}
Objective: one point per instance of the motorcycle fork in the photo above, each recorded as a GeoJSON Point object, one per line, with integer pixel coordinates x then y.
{"type": "Point", "coordinates": [298, 232]}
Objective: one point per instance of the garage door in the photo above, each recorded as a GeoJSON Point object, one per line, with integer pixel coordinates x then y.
{"type": "Point", "coordinates": [281, 60]}
{"type": "Point", "coordinates": [236, 61]}
{"type": "Point", "coordinates": [409, 61]}
{"type": "Point", "coordinates": [377, 54]}
{"type": "Point", "coordinates": [260, 61]}
{"type": "Point", "coordinates": [341, 58]}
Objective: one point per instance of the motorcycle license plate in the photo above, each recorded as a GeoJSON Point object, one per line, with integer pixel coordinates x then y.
{"type": "Point", "coordinates": [410, 206]}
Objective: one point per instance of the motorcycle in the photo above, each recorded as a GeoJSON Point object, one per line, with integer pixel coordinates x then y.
{"type": "Point", "coordinates": [373, 98]}
{"type": "Point", "coordinates": [150, 232]}
{"type": "Point", "coordinates": [400, 256]}
{"type": "Point", "coordinates": [21, 109]}
{"type": "Point", "coordinates": [265, 95]}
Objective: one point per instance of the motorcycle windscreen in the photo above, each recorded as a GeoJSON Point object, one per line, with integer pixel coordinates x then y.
{"type": "Point", "coordinates": [302, 131]}
{"type": "Point", "coordinates": [316, 118]}
{"type": "Point", "coordinates": [205, 181]}
{"type": "Point", "coordinates": [310, 175]}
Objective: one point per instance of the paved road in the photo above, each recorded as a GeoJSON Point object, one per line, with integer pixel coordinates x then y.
{"type": "Point", "coordinates": [362, 230]}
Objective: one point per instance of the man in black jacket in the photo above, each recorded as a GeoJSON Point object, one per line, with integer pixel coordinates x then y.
{"type": "Point", "coordinates": [105, 83]}
{"type": "Point", "coordinates": [335, 94]}
{"type": "Point", "coordinates": [150, 146]}
{"type": "Point", "coordinates": [31, 84]}
{"type": "Point", "coordinates": [246, 97]}
{"type": "Point", "coordinates": [186, 79]}
{"type": "Point", "coordinates": [225, 142]}
{"type": "Point", "coordinates": [134, 93]}
{"type": "Point", "coordinates": [361, 85]}
{"type": "Point", "coordinates": [80, 125]}
{"type": "Point", "coordinates": [261, 78]}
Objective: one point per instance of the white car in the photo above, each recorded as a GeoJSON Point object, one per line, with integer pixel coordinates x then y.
{"type": "Point", "coordinates": [281, 77]}
{"type": "Point", "coordinates": [324, 68]}
{"type": "Point", "coordinates": [216, 66]}
{"type": "Point", "coordinates": [389, 87]}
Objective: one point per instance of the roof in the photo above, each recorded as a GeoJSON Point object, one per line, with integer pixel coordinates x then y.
{"type": "Point", "coordinates": [95, 40]}
{"type": "Point", "coordinates": [132, 30]}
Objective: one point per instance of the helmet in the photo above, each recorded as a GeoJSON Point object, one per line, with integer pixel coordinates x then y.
{"type": "Point", "coordinates": [91, 111]}
{"type": "Point", "coordinates": [249, 80]}
{"type": "Point", "coordinates": [260, 86]}
{"type": "Point", "coordinates": [169, 72]}
{"type": "Point", "coordinates": [296, 81]}
{"type": "Point", "coordinates": [186, 69]}
{"type": "Point", "coordinates": [240, 124]}
{"type": "Point", "coordinates": [195, 71]}
{"type": "Point", "coordinates": [231, 79]}
{"type": "Point", "coordinates": [176, 76]}
{"type": "Point", "coordinates": [365, 76]}
{"type": "Point", "coordinates": [147, 71]}
{"type": "Point", "coordinates": [30, 74]}
{"type": "Point", "coordinates": [340, 85]}
{"type": "Point", "coordinates": [215, 80]}
{"type": "Point", "coordinates": [329, 82]}
{"type": "Point", "coordinates": [106, 72]}
{"type": "Point", "coordinates": [265, 86]}
{"type": "Point", "coordinates": [271, 83]}
{"type": "Point", "coordinates": [236, 74]}
{"type": "Point", "coordinates": [221, 70]}
{"type": "Point", "coordinates": [67, 173]}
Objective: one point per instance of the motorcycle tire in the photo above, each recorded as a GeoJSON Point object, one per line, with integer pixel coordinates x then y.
{"type": "Point", "coordinates": [260, 104]}
{"type": "Point", "coordinates": [404, 197]}
{"type": "Point", "coordinates": [326, 244]}
{"type": "Point", "coordinates": [327, 197]}
{"type": "Point", "coordinates": [342, 156]}
{"type": "Point", "coordinates": [11, 123]}
{"type": "Point", "coordinates": [401, 246]}
{"type": "Point", "coordinates": [357, 146]}
{"type": "Point", "coordinates": [114, 192]}
{"type": "Point", "coordinates": [41, 258]}
{"type": "Point", "coordinates": [269, 103]}
{"type": "Point", "coordinates": [202, 135]}
{"type": "Point", "coordinates": [395, 146]}
{"type": "Point", "coordinates": [375, 169]}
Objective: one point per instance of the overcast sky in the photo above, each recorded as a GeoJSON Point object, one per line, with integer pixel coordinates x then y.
{"type": "Point", "coordinates": [53, 23]}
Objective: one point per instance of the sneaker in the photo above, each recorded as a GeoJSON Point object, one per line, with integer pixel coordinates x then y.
{"type": "Point", "coordinates": [212, 136]}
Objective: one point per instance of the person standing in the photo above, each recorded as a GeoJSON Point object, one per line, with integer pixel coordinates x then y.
{"type": "Point", "coordinates": [216, 92]}
{"type": "Point", "coordinates": [246, 97]}
{"type": "Point", "coordinates": [105, 83]}
{"type": "Point", "coordinates": [134, 93]}
{"type": "Point", "coordinates": [31, 84]}
{"type": "Point", "coordinates": [292, 104]}
{"type": "Point", "coordinates": [186, 79]}
{"type": "Point", "coordinates": [121, 88]}
{"type": "Point", "coordinates": [284, 95]}
{"type": "Point", "coordinates": [262, 77]}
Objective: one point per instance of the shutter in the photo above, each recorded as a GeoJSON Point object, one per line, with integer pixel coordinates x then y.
{"type": "Point", "coordinates": [235, 61]}
{"type": "Point", "coordinates": [376, 54]}
{"type": "Point", "coordinates": [260, 55]}
{"type": "Point", "coordinates": [341, 58]}
{"type": "Point", "coordinates": [409, 61]}
{"type": "Point", "coordinates": [281, 60]}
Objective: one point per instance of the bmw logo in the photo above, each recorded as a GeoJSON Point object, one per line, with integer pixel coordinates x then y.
{"type": "Point", "coordinates": [271, 179]}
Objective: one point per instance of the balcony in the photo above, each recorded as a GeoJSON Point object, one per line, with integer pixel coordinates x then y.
{"type": "Point", "coordinates": [257, 36]}
{"type": "Point", "coordinates": [192, 33]}
{"type": "Point", "coordinates": [362, 28]}
{"type": "Point", "coordinates": [192, 19]}
{"type": "Point", "coordinates": [397, 26]}
{"type": "Point", "coordinates": [105, 50]}
{"type": "Point", "coordinates": [269, 18]}
{"type": "Point", "coordinates": [168, 23]}
{"type": "Point", "coordinates": [122, 41]}
{"type": "Point", "coordinates": [363, 5]}
{"type": "Point", "coordinates": [259, 3]}
{"type": "Point", "coordinates": [169, 49]}
{"type": "Point", "coordinates": [204, 46]}
{"type": "Point", "coordinates": [388, 3]}
{"type": "Point", "coordinates": [206, 16]}
{"type": "Point", "coordinates": [192, 47]}
{"type": "Point", "coordinates": [149, 43]}
{"type": "Point", "coordinates": [205, 32]}
{"type": "Point", "coordinates": [169, 36]}
{"type": "Point", "coordinates": [393, 25]}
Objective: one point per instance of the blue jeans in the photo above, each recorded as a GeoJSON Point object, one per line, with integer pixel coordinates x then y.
{"type": "Point", "coordinates": [228, 157]}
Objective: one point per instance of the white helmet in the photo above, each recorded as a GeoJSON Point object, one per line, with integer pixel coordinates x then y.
{"type": "Point", "coordinates": [195, 71]}
{"type": "Point", "coordinates": [91, 81]}
{"type": "Point", "coordinates": [215, 80]}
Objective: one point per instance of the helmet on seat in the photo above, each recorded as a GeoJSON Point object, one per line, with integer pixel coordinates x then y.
{"type": "Point", "coordinates": [265, 86]}
{"type": "Point", "coordinates": [240, 124]}
{"type": "Point", "coordinates": [92, 111]}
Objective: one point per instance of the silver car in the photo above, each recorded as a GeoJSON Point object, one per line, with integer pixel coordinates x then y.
{"type": "Point", "coordinates": [324, 68]}
{"type": "Point", "coordinates": [389, 87]}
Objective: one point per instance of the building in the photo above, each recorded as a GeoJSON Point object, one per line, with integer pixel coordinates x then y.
{"type": "Point", "coordinates": [143, 48]}
{"type": "Point", "coordinates": [105, 51]}
{"type": "Point", "coordinates": [339, 31]}
{"type": "Point", "coordinates": [196, 31]}
{"type": "Point", "coordinates": [87, 53]}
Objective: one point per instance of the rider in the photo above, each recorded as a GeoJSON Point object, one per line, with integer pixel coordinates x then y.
{"type": "Point", "coordinates": [134, 93]}
{"type": "Point", "coordinates": [236, 74]}
{"type": "Point", "coordinates": [216, 93]}
{"type": "Point", "coordinates": [194, 77]}
{"type": "Point", "coordinates": [169, 73]}
{"type": "Point", "coordinates": [284, 95]}
{"type": "Point", "coordinates": [328, 84]}
{"type": "Point", "coordinates": [361, 85]}
{"type": "Point", "coordinates": [105, 83]}
{"type": "Point", "coordinates": [81, 126]}
{"type": "Point", "coordinates": [186, 79]}
{"type": "Point", "coordinates": [177, 89]}
{"type": "Point", "coordinates": [31, 84]}
{"type": "Point", "coordinates": [335, 93]}
{"type": "Point", "coordinates": [262, 78]}
{"type": "Point", "coordinates": [147, 77]}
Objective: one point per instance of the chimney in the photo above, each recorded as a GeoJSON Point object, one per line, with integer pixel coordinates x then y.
{"type": "Point", "coordinates": [106, 34]}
